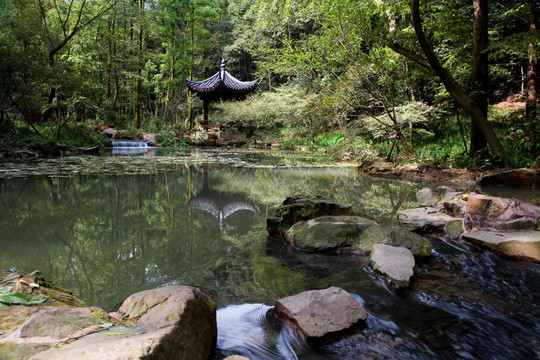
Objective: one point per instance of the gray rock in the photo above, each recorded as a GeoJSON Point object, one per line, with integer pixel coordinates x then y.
{"type": "Point", "coordinates": [519, 245]}
{"type": "Point", "coordinates": [430, 197]}
{"type": "Point", "coordinates": [321, 314]}
{"type": "Point", "coordinates": [395, 262]}
{"type": "Point", "coordinates": [394, 236]}
{"type": "Point", "coordinates": [427, 220]}
{"type": "Point", "coordinates": [327, 232]}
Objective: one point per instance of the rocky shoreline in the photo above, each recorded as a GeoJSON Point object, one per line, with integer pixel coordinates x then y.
{"type": "Point", "coordinates": [40, 321]}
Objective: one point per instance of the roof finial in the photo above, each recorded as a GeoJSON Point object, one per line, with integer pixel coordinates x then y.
{"type": "Point", "coordinates": [223, 62]}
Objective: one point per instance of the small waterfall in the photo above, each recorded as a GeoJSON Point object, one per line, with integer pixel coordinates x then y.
{"type": "Point", "coordinates": [124, 147]}
{"type": "Point", "coordinates": [129, 144]}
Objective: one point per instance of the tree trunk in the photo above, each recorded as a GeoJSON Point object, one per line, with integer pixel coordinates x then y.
{"type": "Point", "coordinates": [479, 74]}
{"type": "Point", "coordinates": [454, 89]}
{"type": "Point", "coordinates": [138, 94]}
{"type": "Point", "coordinates": [192, 41]}
{"type": "Point", "coordinates": [530, 106]}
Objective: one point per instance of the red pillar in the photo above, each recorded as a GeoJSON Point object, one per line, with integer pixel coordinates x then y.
{"type": "Point", "coordinates": [205, 123]}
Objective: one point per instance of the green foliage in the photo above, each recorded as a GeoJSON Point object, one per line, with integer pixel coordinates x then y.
{"type": "Point", "coordinates": [9, 297]}
{"type": "Point", "coordinates": [328, 140]}
{"type": "Point", "coordinates": [72, 136]}
{"type": "Point", "coordinates": [168, 139]}
{"type": "Point", "coordinates": [286, 108]}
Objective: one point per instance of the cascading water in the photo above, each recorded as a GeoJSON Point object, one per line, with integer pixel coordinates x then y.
{"type": "Point", "coordinates": [129, 144]}
{"type": "Point", "coordinates": [129, 147]}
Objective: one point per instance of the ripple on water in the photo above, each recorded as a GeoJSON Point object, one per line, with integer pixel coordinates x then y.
{"type": "Point", "coordinates": [248, 330]}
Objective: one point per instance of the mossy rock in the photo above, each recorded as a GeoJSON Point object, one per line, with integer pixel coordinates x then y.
{"type": "Point", "coordinates": [395, 236]}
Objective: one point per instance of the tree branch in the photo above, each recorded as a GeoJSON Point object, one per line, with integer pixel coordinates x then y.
{"type": "Point", "coordinates": [418, 59]}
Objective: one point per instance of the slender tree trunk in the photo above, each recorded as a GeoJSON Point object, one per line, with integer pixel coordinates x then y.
{"type": "Point", "coordinates": [530, 106]}
{"type": "Point", "coordinates": [479, 74]}
{"type": "Point", "coordinates": [138, 94]}
{"type": "Point", "coordinates": [192, 40]}
{"type": "Point", "coordinates": [454, 89]}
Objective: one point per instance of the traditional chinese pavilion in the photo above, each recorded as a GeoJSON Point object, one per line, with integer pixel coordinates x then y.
{"type": "Point", "coordinates": [221, 86]}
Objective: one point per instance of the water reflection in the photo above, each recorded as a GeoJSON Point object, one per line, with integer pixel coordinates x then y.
{"type": "Point", "coordinates": [107, 237]}
{"type": "Point", "coordinates": [219, 204]}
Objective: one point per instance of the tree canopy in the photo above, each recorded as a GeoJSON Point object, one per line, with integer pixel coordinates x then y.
{"type": "Point", "coordinates": [352, 66]}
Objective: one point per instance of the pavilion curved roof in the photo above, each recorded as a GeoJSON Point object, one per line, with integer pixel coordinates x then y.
{"type": "Point", "coordinates": [222, 82]}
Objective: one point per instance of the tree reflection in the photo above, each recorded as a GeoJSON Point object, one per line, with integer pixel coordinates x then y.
{"type": "Point", "coordinates": [204, 225]}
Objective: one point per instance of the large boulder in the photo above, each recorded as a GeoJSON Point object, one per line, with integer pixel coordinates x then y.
{"type": "Point", "coordinates": [395, 236]}
{"type": "Point", "coordinates": [321, 315]}
{"type": "Point", "coordinates": [493, 213]}
{"type": "Point", "coordinates": [518, 245]}
{"type": "Point", "coordinates": [528, 178]}
{"type": "Point", "coordinates": [327, 232]}
{"type": "Point", "coordinates": [173, 322]}
{"type": "Point", "coordinates": [395, 262]}
{"type": "Point", "coordinates": [295, 209]}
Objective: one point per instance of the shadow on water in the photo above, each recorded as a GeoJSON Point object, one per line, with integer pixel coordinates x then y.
{"type": "Point", "coordinates": [198, 218]}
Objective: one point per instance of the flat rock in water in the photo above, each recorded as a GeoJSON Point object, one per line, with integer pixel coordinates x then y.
{"type": "Point", "coordinates": [321, 314]}
{"type": "Point", "coordinates": [394, 236]}
{"type": "Point", "coordinates": [429, 220]}
{"type": "Point", "coordinates": [327, 232]}
{"type": "Point", "coordinates": [295, 209]}
{"type": "Point", "coordinates": [395, 262]}
{"type": "Point", "coordinates": [519, 244]}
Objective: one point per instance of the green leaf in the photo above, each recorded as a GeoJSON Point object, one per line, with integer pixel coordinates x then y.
{"type": "Point", "coordinates": [10, 297]}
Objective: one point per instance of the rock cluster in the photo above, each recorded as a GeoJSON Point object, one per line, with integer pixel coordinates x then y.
{"type": "Point", "coordinates": [505, 226]}
{"type": "Point", "coordinates": [321, 225]}
{"type": "Point", "coordinates": [174, 322]}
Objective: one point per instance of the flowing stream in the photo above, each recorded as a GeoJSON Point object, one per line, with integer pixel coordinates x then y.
{"type": "Point", "coordinates": [106, 227]}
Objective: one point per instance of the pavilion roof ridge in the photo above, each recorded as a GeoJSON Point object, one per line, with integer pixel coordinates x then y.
{"type": "Point", "coordinates": [222, 79]}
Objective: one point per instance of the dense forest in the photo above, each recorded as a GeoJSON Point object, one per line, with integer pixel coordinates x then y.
{"type": "Point", "coordinates": [450, 82]}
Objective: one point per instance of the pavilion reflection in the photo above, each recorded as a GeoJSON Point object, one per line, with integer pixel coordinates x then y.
{"type": "Point", "coordinates": [223, 205]}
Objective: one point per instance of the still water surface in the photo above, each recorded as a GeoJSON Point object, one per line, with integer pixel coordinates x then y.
{"type": "Point", "coordinates": [107, 227]}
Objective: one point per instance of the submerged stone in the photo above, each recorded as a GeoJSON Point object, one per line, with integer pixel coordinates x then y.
{"type": "Point", "coordinates": [321, 314]}
{"type": "Point", "coordinates": [395, 262]}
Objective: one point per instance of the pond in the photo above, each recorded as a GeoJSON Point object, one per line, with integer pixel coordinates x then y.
{"type": "Point", "coordinates": [106, 227]}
